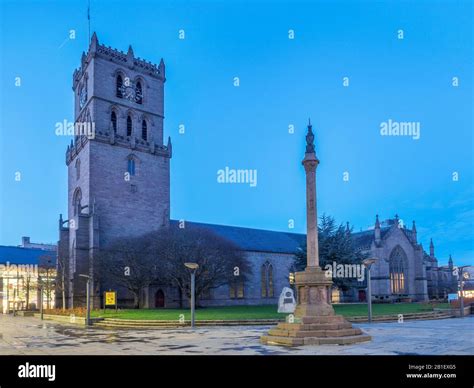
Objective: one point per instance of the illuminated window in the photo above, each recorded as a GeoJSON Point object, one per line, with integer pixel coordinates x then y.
{"type": "Point", "coordinates": [236, 288]}
{"type": "Point", "coordinates": [397, 266]}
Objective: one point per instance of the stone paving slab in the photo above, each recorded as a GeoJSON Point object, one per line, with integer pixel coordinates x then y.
{"type": "Point", "coordinates": [31, 336]}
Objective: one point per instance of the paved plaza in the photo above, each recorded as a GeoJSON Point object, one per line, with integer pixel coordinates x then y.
{"type": "Point", "coordinates": [31, 336]}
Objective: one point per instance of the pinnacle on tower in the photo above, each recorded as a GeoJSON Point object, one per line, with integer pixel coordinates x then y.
{"type": "Point", "coordinates": [169, 145]}
{"type": "Point", "coordinates": [130, 56]}
{"type": "Point", "coordinates": [431, 248]}
{"type": "Point", "coordinates": [450, 262]}
{"type": "Point", "coordinates": [377, 233]}
{"type": "Point", "coordinates": [161, 67]}
{"type": "Point", "coordinates": [94, 43]}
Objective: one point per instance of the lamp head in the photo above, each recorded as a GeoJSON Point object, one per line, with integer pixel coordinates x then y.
{"type": "Point", "coordinates": [192, 266]}
{"type": "Point", "coordinates": [368, 262]}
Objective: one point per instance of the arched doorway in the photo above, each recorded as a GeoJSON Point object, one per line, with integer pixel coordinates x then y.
{"type": "Point", "coordinates": [160, 299]}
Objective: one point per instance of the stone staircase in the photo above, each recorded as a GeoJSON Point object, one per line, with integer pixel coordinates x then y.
{"type": "Point", "coordinates": [439, 314]}
{"type": "Point", "coordinates": [173, 324]}
{"type": "Point", "coordinates": [332, 329]}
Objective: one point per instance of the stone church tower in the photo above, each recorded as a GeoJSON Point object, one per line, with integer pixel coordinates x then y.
{"type": "Point", "coordinates": [118, 166]}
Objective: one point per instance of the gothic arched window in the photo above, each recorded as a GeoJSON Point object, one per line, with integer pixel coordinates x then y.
{"type": "Point", "coordinates": [78, 168]}
{"type": "Point", "coordinates": [139, 93]}
{"type": "Point", "coordinates": [144, 131]}
{"type": "Point", "coordinates": [118, 87]}
{"type": "Point", "coordinates": [113, 120]}
{"type": "Point", "coordinates": [131, 166]}
{"type": "Point", "coordinates": [270, 281]}
{"type": "Point", "coordinates": [398, 271]}
{"type": "Point", "coordinates": [267, 280]}
{"type": "Point", "coordinates": [76, 201]}
{"type": "Point", "coordinates": [129, 126]}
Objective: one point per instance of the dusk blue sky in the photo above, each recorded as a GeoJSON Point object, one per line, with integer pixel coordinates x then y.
{"type": "Point", "coordinates": [282, 82]}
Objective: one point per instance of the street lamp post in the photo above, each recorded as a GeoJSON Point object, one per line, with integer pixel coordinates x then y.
{"type": "Point", "coordinates": [193, 268]}
{"type": "Point", "coordinates": [368, 263]}
{"type": "Point", "coordinates": [88, 299]}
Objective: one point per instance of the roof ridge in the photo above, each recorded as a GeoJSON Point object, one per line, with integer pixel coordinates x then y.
{"type": "Point", "coordinates": [241, 227]}
{"type": "Point", "coordinates": [29, 248]}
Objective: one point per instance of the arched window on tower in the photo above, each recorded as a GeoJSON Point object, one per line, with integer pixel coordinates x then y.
{"type": "Point", "coordinates": [78, 168]}
{"type": "Point", "coordinates": [267, 280]}
{"type": "Point", "coordinates": [113, 120]}
{"type": "Point", "coordinates": [398, 271]}
{"type": "Point", "coordinates": [118, 86]}
{"type": "Point", "coordinates": [129, 126]}
{"type": "Point", "coordinates": [131, 166]}
{"type": "Point", "coordinates": [139, 93]}
{"type": "Point", "coordinates": [76, 201]}
{"type": "Point", "coordinates": [144, 131]}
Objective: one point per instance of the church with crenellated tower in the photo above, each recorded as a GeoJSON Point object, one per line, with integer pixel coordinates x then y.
{"type": "Point", "coordinates": [119, 186]}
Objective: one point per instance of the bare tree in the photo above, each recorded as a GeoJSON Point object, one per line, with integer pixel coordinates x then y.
{"type": "Point", "coordinates": [128, 263]}
{"type": "Point", "coordinates": [220, 261]}
{"type": "Point", "coordinates": [158, 258]}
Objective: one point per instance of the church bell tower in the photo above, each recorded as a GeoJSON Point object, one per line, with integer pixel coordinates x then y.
{"type": "Point", "coordinates": [118, 165]}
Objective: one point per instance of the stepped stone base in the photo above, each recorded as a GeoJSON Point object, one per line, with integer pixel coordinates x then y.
{"type": "Point", "coordinates": [324, 330]}
{"type": "Point", "coordinates": [317, 324]}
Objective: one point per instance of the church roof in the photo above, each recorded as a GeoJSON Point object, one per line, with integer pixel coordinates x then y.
{"type": "Point", "coordinates": [256, 240]}
{"type": "Point", "coordinates": [363, 240]}
{"type": "Point", "coordinates": [19, 255]}
{"type": "Point", "coordinates": [259, 240]}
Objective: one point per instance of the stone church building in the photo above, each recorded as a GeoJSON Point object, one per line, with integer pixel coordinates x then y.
{"type": "Point", "coordinates": [119, 185]}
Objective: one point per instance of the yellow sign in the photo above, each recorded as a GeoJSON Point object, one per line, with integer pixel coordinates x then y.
{"type": "Point", "coordinates": [110, 298]}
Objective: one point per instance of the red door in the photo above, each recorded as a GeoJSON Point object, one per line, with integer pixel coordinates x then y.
{"type": "Point", "coordinates": [362, 297]}
{"type": "Point", "coordinates": [159, 299]}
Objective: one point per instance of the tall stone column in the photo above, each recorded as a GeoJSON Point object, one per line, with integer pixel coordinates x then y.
{"type": "Point", "coordinates": [313, 286]}
{"type": "Point", "coordinates": [314, 321]}
{"type": "Point", "coordinates": [310, 163]}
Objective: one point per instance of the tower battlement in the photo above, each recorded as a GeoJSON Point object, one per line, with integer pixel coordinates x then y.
{"type": "Point", "coordinates": [78, 144]}
{"type": "Point", "coordinates": [120, 58]}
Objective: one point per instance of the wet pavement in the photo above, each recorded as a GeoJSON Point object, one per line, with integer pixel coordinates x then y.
{"type": "Point", "coordinates": [31, 336]}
